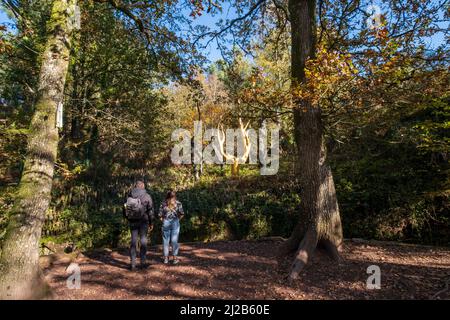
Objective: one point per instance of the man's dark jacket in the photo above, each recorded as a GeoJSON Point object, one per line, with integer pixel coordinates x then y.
{"type": "Point", "coordinates": [147, 203]}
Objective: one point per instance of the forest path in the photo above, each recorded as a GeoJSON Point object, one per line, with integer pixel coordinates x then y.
{"type": "Point", "coordinates": [249, 270]}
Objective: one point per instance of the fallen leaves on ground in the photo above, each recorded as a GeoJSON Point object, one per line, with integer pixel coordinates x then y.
{"type": "Point", "coordinates": [251, 270]}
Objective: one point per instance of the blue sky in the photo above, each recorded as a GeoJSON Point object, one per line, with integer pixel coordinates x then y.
{"type": "Point", "coordinates": [212, 51]}
{"type": "Point", "coordinates": [3, 16]}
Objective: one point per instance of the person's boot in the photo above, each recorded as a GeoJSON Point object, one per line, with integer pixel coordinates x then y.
{"type": "Point", "coordinates": [133, 267]}
{"type": "Point", "coordinates": [175, 260]}
{"type": "Point", "coordinates": [166, 260]}
{"type": "Point", "coordinates": [144, 264]}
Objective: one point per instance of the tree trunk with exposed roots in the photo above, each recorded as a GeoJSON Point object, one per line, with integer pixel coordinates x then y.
{"type": "Point", "coordinates": [320, 219]}
{"type": "Point", "coordinates": [20, 275]}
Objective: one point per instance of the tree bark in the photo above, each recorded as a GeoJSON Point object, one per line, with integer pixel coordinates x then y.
{"type": "Point", "coordinates": [319, 220]}
{"type": "Point", "coordinates": [20, 276]}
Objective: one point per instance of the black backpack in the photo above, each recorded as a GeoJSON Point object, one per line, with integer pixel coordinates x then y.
{"type": "Point", "coordinates": [134, 209]}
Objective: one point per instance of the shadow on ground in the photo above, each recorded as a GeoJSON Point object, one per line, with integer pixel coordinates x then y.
{"type": "Point", "coordinates": [249, 270]}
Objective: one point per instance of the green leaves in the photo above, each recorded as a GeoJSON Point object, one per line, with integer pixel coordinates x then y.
{"type": "Point", "coordinates": [433, 131]}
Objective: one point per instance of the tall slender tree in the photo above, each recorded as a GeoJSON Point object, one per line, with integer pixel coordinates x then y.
{"type": "Point", "coordinates": [20, 276]}
{"type": "Point", "coordinates": [320, 220]}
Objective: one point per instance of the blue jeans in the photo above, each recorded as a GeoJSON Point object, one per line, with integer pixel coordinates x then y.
{"type": "Point", "coordinates": [170, 233]}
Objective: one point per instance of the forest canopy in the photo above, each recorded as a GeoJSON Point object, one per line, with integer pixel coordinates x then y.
{"type": "Point", "coordinates": [360, 94]}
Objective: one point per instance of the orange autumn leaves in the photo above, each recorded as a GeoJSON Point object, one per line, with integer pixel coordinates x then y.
{"type": "Point", "coordinates": [5, 46]}
{"type": "Point", "coordinates": [329, 73]}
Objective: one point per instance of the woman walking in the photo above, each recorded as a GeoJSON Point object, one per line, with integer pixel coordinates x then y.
{"type": "Point", "coordinates": [171, 212]}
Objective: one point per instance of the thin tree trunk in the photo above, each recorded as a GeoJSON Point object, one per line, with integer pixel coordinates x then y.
{"type": "Point", "coordinates": [198, 168]}
{"type": "Point", "coordinates": [319, 219]}
{"type": "Point", "coordinates": [20, 276]}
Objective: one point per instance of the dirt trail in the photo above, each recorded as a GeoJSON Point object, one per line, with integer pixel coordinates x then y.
{"type": "Point", "coordinates": [249, 270]}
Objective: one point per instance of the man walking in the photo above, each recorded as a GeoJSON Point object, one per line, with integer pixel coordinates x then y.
{"type": "Point", "coordinates": [139, 212]}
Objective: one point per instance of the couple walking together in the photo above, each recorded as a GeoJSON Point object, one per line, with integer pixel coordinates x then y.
{"type": "Point", "coordinates": [139, 211]}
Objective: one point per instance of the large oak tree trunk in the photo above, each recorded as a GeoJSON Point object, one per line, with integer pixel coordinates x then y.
{"type": "Point", "coordinates": [320, 220]}
{"type": "Point", "coordinates": [20, 276]}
